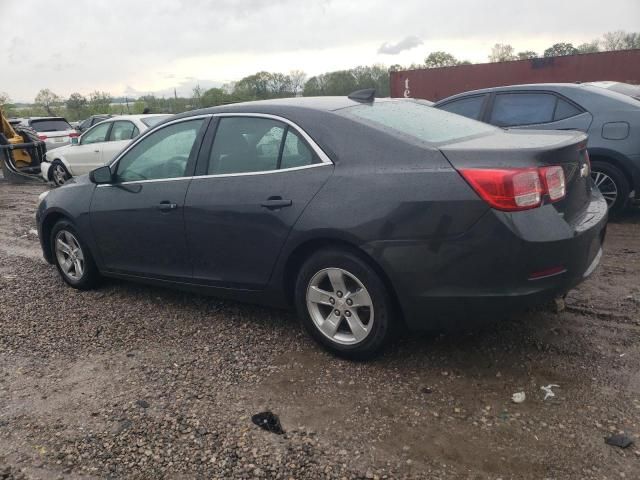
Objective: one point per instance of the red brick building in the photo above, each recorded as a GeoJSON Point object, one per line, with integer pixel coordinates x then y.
{"type": "Point", "coordinates": [437, 83]}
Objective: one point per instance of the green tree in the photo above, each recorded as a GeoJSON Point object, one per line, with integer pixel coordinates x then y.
{"type": "Point", "coordinates": [527, 54]}
{"type": "Point", "coordinates": [76, 106]}
{"type": "Point", "coordinates": [4, 99]}
{"type": "Point", "coordinates": [590, 47]}
{"type": "Point", "coordinates": [315, 86]}
{"type": "Point", "coordinates": [297, 78]}
{"type": "Point", "coordinates": [100, 102]}
{"type": "Point", "coordinates": [47, 100]}
{"type": "Point", "coordinates": [214, 97]}
{"type": "Point", "coordinates": [560, 50]}
{"type": "Point", "coordinates": [620, 40]}
{"type": "Point", "coordinates": [502, 53]}
{"type": "Point", "coordinates": [440, 59]}
{"type": "Point", "coordinates": [196, 96]}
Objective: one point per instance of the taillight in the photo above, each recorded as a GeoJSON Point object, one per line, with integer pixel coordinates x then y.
{"type": "Point", "coordinates": [506, 189]}
{"type": "Point", "coordinates": [516, 189]}
{"type": "Point", "coordinates": [74, 135]}
{"type": "Point", "coordinates": [42, 137]}
{"type": "Point", "coordinates": [554, 183]}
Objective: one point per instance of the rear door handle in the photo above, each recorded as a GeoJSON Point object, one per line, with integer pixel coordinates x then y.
{"type": "Point", "coordinates": [167, 206]}
{"type": "Point", "coordinates": [273, 203]}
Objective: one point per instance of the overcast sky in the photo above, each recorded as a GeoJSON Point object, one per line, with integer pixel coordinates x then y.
{"type": "Point", "coordinates": [136, 47]}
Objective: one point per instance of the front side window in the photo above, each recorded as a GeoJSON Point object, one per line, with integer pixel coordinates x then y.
{"type": "Point", "coordinates": [470, 107]}
{"type": "Point", "coordinates": [122, 130]}
{"type": "Point", "coordinates": [510, 109]}
{"type": "Point", "coordinates": [97, 134]}
{"type": "Point", "coordinates": [161, 155]}
{"type": "Point", "coordinates": [247, 144]}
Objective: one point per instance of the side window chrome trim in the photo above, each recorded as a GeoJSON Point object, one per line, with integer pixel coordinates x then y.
{"type": "Point", "coordinates": [324, 158]}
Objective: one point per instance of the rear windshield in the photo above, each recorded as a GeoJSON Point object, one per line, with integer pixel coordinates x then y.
{"type": "Point", "coordinates": [50, 125]}
{"type": "Point", "coordinates": [624, 88]}
{"type": "Point", "coordinates": [417, 120]}
{"type": "Point", "coordinates": [153, 121]}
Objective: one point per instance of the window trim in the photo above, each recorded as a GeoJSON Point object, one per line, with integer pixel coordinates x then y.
{"type": "Point", "coordinates": [558, 96]}
{"type": "Point", "coordinates": [324, 158]}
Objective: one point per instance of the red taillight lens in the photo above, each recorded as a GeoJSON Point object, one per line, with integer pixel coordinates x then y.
{"type": "Point", "coordinates": [42, 137]}
{"type": "Point", "coordinates": [74, 135]}
{"type": "Point", "coordinates": [554, 183]}
{"type": "Point", "coordinates": [506, 189]}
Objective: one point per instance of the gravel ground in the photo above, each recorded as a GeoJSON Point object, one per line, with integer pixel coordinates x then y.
{"type": "Point", "coordinates": [130, 381]}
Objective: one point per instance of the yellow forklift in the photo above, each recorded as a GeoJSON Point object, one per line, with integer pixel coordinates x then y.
{"type": "Point", "coordinates": [21, 152]}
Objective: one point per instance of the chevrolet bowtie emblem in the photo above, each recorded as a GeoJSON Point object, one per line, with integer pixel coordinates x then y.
{"type": "Point", "coordinates": [584, 170]}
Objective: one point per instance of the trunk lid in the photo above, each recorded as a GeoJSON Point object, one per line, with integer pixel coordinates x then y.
{"type": "Point", "coordinates": [531, 148]}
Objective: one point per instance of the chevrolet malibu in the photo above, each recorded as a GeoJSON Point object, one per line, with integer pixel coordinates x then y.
{"type": "Point", "coordinates": [362, 214]}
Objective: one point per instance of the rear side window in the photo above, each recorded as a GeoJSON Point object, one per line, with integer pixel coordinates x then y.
{"type": "Point", "coordinates": [416, 120]}
{"type": "Point", "coordinates": [470, 107]}
{"type": "Point", "coordinates": [246, 144]}
{"type": "Point", "coordinates": [50, 125]}
{"type": "Point", "coordinates": [511, 109]}
{"type": "Point", "coordinates": [565, 109]}
{"type": "Point", "coordinates": [122, 130]}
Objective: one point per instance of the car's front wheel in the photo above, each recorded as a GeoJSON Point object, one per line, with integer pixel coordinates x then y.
{"type": "Point", "coordinates": [59, 173]}
{"type": "Point", "coordinates": [343, 303]}
{"type": "Point", "coordinates": [72, 257]}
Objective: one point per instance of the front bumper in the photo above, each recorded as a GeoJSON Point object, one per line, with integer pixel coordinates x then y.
{"type": "Point", "coordinates": [493, 267]}
{"type": "Point", "coordinates": [44, 170]}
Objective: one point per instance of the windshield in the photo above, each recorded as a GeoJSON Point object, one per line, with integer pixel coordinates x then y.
{"type": "Point", "coordinates": [153, 121]}
{"type": "Point", "coordinates": [50, 125]}
{"type": "Point", "coordinates": [417, 120]}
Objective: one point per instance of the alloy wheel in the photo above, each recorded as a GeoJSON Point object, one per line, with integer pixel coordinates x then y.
{"type": "Point", "coordinates": [340, 306]}
{"type": "Point", "coordinates": [69, 255]}
{"type": "Point", "coordinates": [606, 185]}
{"type": "Point", "coordinates": [59, 174]}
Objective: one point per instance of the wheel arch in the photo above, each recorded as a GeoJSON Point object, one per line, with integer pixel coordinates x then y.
{"type": "Point", "coordinates": [618, 160]}
{"type": "Point", "coordinates": [306, 249]}
{"type": "Point", "coordinates": [47, 225]}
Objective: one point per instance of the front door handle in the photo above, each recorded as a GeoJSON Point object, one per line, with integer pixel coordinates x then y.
{"type": "Point", "coordinates": [273, 203]}
{"type": "Point", "coordinates": [167, 206]}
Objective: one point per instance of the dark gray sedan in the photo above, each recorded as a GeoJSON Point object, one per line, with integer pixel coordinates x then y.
{"type": "Point", "coordinates": [608, 111]}
{"type": "Point", "coordinates": [364, 215]}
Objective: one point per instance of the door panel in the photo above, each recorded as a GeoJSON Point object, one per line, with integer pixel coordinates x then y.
{"type": "Point", "coordinates": [136, 234]}
{"type": "Point", "coordinates": [111, 149]}
{"type": "Point", "coordinates": [237, 225]}
{"type": "Point", "coordinates": [82, 158]}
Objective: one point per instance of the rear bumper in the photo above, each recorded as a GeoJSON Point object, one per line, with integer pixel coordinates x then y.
{"type": "Point", "coordinates": [505, 262]}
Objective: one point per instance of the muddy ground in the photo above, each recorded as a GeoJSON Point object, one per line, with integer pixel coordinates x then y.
{"type": "Point", "coordinates": [130, 381]}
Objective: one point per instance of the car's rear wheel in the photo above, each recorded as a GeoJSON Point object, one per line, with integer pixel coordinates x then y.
{"type": "Point", "coordinates": [612, 183]}
{"type": "Point", "coordinates": [72, 257]}
{"type": "Point", "coordinates": [59, 173]}
{"type": "Point", "coordinates": [343, 303]}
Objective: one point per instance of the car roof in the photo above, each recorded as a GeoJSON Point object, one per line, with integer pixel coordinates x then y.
{"type": "Point", "coordinates": [138, 116]}
{"type": "Point", "coordinates": [47, 118]}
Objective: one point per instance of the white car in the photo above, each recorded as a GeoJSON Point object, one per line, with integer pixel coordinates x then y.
{"type": "Point", "coordinates": [96, 146]}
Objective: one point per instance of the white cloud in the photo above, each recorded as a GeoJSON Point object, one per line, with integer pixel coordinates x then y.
{"type": "Point", "coordinates": [406, 43]}
{"type": "Point", "coordinates": [156, 45]}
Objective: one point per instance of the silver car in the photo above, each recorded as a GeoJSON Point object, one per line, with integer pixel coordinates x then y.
{"type": "Point", "coordinates": [55, 131]}
{"type": "Point", "coordinates": [608, 111]}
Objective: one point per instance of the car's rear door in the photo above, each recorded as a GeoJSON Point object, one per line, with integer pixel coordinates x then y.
{"type": "Point", "coordinates": [121, 134]}
{"type": "Point", "coordinates": [138, 219]}
{"type": "Point", "coordinates": [540, 110]}
{"type": "Point", "coordinates": [256, 178]}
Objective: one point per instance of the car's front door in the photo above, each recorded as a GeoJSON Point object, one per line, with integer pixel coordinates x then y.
{"type": "Point", "coordinates": [87, 155]}
{"type": "Point", "coordinates": [138, 219]}
{"type": "Point", "coordinates": [258, 175]}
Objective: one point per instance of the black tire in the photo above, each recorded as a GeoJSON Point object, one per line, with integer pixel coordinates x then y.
{"type": "Point", "coordinates": [380, 330]}
{"type": "Point", "coordinates": [61, 178]}
{"type": "Point", "coordinates": [619, 179]}
{"type": "Point", "coordinates": [90, 275]}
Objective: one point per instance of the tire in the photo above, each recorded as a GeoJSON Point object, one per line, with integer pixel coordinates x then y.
{"type": "Point", "coordinates": [322, 273]}
{"type": "Point", "coordinates": [83, 275]}
{"type": "Point", "coordinates": [58, 173]}
{"type": "Point", "coordinates": [613, 184]}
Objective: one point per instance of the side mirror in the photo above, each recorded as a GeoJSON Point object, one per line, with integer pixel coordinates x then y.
{"type": "Point", "coordinates": [101, 175]}
{"type": "Point", "coordinates": [75, 140]}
